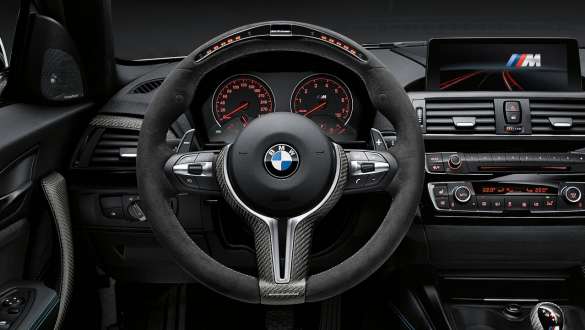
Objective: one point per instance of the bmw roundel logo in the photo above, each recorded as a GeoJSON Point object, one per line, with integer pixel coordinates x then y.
{"type": "Point", "coordinates": [281, 160]}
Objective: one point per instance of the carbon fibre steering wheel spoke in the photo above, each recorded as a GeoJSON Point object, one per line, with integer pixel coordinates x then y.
{"type": "Point", "coordinates": [283, 245]}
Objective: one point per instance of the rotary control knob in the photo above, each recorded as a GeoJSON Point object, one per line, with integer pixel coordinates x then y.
{"type": "Point", "coordinates": [454, 161]}
{"type": "Point", "coordinates": [462, 194]}
{"type": "Point", "coordinates": [571, 194]}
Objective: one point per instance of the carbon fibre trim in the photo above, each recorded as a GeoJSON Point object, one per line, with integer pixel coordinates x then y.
{"type": "Point", "coordinates": [108, 121]}
{"type": "Point", "coordinates": [276, 289]}
{"type": "Point", "coordinates": [55, 190]}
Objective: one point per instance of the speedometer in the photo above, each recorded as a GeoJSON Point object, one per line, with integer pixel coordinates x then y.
{"type": "Point", "coordinates": [239, 100]}
{"type": "Point", "coordinates": [326, 100]}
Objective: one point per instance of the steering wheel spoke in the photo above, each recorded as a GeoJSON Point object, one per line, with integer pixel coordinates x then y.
{"type": "Point", "coordinates": [193, 172]}
{"type": "Point", "coordinates": [283, 248]}
{"type": "Point", "coordinates": [369, 171]}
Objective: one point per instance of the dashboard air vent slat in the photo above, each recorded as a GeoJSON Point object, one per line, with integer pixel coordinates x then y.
{"type": "Point", "coordinates": [557, 116]}
{"type": "Point", "coordinates": [147, 86]}
{"type": "Point", "coordinates": [111, 148]}
{"type": "Point", "coordinates": [459, 117]}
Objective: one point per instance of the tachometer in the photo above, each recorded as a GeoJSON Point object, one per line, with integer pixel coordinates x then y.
{"type": "Point", "coordinates": [326, 100]}
{"type": "Point", "coordinates": [239, 100]}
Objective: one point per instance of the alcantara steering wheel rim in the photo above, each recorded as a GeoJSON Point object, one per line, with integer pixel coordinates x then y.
{"type": "Point", "coordinates": [387, 96]}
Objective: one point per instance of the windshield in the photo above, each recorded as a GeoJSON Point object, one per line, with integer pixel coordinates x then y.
{"type": "Point", "coordinates": [152, 29]}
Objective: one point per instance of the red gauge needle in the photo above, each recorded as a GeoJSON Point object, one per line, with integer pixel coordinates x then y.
{"type": "Point", "coordinates": [240, 107]}
{"type": "Point", "coordinates": [316, 108]}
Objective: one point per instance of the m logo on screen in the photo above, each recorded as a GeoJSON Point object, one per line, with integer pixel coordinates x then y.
{"type": "Point", "coordinates": [524, 60]}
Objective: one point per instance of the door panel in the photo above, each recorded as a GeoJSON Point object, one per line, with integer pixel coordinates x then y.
{"type": "Point", "coordinates": [13, 243]}
{"type": "Point", "coordinates": [34, 141]}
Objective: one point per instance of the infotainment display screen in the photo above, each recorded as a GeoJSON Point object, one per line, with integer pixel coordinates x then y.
{"type": "Point", "coordinates": [486, 64]}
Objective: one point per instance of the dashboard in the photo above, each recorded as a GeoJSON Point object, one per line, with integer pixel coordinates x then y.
{"type": "Point", "coordinates": [499, 162]}
{"type": "Point", "coordinates": [328, 95]}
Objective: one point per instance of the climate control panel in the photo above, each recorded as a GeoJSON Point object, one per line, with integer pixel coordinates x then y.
{"type": "Point", "coordinates": [503, 197]}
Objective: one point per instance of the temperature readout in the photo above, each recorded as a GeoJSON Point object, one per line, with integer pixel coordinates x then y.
{"type": "Point", "coordinates": [485, 188]}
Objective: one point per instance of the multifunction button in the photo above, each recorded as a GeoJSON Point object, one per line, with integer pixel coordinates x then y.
{"type": "Point", "coordinates": [367, 169]}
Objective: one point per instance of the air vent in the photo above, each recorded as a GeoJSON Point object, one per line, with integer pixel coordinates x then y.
{"type": "Point", "coordinates": [108, 148]}
{"type": "Point", "coordinates": [557, 116]}
{"type": "Point", "coordinates": [147, 86]}
{"type": "Point", "coordinates": [460, 117]}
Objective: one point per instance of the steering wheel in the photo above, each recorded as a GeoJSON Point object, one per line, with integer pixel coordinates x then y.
{"type": "Point", "coordinates": [281, 174]}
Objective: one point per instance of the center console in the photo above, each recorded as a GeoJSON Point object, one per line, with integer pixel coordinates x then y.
{"type": "Point", "coordinates": [504, 128]}
{"type": "Point", "coordinates": [536, 194]}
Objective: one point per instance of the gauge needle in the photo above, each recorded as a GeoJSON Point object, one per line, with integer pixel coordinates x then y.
{"type": "Point", "coordinates": [316, 108]}
{"type": "Point", "coordinates": [242, 106]}
{"type": "Point", "coordinates": [244, 120]}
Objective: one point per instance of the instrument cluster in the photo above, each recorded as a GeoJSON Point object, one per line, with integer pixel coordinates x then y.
{"type": "Point", "coordinates": [238, 99]}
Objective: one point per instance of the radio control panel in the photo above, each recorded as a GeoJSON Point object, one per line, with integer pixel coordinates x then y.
{"type": "Point", "coordinates": [482, 163]}
{"type": "Point", "coordinates": [504, 197]}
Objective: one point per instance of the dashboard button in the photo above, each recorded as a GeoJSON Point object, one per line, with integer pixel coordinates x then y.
{"type": "Point", "coordinates": [442, 202]}
{"type": "Point", "coordinates": [537, 203]}
{"type": "Point", "coordinates": [195, 169]}
{"type": "Point", "coordinates": [440, 191]}
{"type": "Point", "coordinates": [357, 181]}
{"type": "Point", "coordinates": [483, 203]}
{"type": "Point", "coordinates": [188, 159]}
{"type": "Point", "coordinates": [571, 194]}
{"type": "Point", "coordinates": [497, 203]}
{"type": "Point", "coordinates": [550, 203]}
{"type": "Point", "coordinates": [367, 167]}
{"type": "Point", "coordinates": [513, 112]}
{"type": "Point", "coordinates": [357, 156]}
{"type": "Point", "coordinates": [454, 161]}
{"type": "Point", "coordinates": [375, 157]}
{"type": "Point", "coordinates": [437, 168]}
{"type": "Point", "coordinates": [374, 178]}
{"type": "Point", "coordinates": [434, 157]}
{"type": "Point", "coordinates": [462, 194]}
{"type": "Point", "coordinates": [512, 203]}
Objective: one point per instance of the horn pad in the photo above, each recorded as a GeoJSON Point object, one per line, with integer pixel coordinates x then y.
{"type": "Point", "coordinates": [281, 165]}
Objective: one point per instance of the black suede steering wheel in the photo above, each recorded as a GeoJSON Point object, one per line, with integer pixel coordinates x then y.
{"type": "Point", "coordinates": [280, 204]}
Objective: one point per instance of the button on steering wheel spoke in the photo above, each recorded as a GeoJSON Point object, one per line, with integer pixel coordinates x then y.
{"type": "Point", "coordinates": [193, 171]}
{"type": "Point", "coordinates": [369, 170]}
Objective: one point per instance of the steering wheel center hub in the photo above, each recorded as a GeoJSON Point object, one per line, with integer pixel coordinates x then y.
{"type": "Point", "coordinates": [281, 164]}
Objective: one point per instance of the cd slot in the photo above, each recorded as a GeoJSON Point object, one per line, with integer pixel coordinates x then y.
{"type": "Point", "coordinates": [523, 168]}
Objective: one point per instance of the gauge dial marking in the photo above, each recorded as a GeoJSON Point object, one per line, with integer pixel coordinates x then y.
{"type": "Point", "coordinates": [239, 100]}
{"type": "Point", "coordinates": [326, 100]}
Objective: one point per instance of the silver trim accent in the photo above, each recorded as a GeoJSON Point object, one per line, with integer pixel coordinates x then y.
{"type": "Point", "coordinates": [183, 169]}
{"type": "Point", "coordinates": [127, 153]}
{"type": "Point", "coordinates": [510, 300]}
{"type": "Point", "coordinates": [292, 223]}
{"type": "Point", "coordinates": [355, 168]}
{"type": "Point", "coordinates": [5, 56]}
{"type": "Point", "coordinates": [564, 194]}
{"type": "Point", "coordinates": [465, 200]}
{"type": "Point", "coordinates": [192, 130]}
